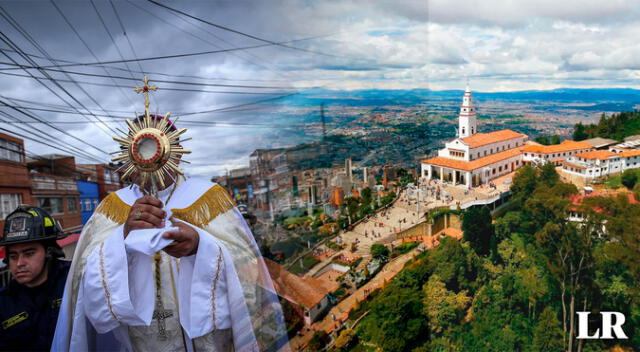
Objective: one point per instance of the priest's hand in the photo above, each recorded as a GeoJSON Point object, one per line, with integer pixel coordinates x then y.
{"type": "Point", "coordinates": [186, 240]}
{"type": "Point", "coordinates": [145, 213]}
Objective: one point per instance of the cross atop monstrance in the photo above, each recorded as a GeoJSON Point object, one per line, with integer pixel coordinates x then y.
{"type": "Point", "coordinates": [145, 89]}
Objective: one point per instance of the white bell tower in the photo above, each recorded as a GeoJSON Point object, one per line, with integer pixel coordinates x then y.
{"type": "Point", "coordinates": [467, 117]}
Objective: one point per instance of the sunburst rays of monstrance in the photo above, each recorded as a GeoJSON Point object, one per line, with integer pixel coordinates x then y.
{"type": "Point", "coordinates": [150, 151]}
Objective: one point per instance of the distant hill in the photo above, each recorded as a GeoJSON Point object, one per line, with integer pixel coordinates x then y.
{"type": "Point", "coordinates": [622, 98]}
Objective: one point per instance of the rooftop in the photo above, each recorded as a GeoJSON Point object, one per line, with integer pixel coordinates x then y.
{"type": "Point", "coordinates": [577, 200]}
{"type": "Point", "coordinates": [306, 291]}
{"type": "Point", "coordinates": [474, 164]}
{"type": "Point", "coordinates": [597, 154]}
{"type": "Point", "coordinates": [599, 142]}
{"type": "Point", "coordinates": [630, 153]}
{"type": "Point", "coordinates": [480, 139]}
{"type": "Point", "coordinates": [565, 146]}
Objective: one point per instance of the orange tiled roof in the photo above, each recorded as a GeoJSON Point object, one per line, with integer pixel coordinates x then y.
{"type": "Point", "coordinates": [480, 139]}
{"type": "Point", "coordinates": [306, 291]}
{"type": "Point", "coordinates": [565, 146]}
{"type": "Point", "coordinates": [474, 164]}
{"type": "Point", "coordinates": [577, 199]}
{"type": "Point", "coordinates": [596, 154]}
{"type": "Point", "coordinates": [629, 153]}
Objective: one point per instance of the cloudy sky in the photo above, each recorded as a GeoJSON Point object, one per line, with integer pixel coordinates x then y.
{"type": "Point", "coordinates": [73, 64]}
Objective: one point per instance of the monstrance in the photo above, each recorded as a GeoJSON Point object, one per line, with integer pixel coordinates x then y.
{"type": "Point", "coordinates": [150, 150]}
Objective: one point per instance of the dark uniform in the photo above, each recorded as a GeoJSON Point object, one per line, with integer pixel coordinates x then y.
{"type": "Point", "coordinates": [29, 315]}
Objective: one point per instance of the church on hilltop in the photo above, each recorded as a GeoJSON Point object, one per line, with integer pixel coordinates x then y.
{"type": "Point", "coordinates": [475, 158]}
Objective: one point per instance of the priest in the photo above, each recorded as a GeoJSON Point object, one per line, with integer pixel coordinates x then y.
{"type": "Point", "coordinates": [175, 271]}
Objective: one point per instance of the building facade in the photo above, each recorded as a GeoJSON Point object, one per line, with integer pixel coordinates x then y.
{"type": "Point", "coordinates": [104, 175]}
{"type": "Point", "coordinates": [601, 163]}
{"type": "Point", "coordinates": [15, 184]}
{"type": "Point", "coordinates": [89, 199]}
{"type": "Point", "coordinates": [557, 153]}
{"type": "Point", "coordinates": [54, 188]}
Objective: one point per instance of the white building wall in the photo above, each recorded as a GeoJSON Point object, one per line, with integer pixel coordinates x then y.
{"type": "Point", "coordinates": [530, 156]}
{"type": "Point", "coordinates": [631, 162]}
{"type": "Point", "coordinates": [455, 144]}
{"type": "Point", "coordinates": [494, 148]}
{"type": "Point", "coordinates": [601, 168]}
{"type": "Point", "coordinates": [317, 310]}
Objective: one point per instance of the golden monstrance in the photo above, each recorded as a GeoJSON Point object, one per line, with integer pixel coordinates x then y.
{"type": "Point", "coordinates": [150, 150]}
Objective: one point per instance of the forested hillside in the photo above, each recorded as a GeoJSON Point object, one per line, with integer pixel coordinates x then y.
{"type": "Point", "coordinates": [616, 126]}
{"type": "Point", "coordinates": [516, 284]}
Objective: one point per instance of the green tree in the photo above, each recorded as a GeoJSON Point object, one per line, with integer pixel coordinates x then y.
{"type": "Point", "coordinates": [379, 251]}
{"type": "Point", "coordinates": [579, 132]}
{"type": "Point", "coordinates": [318, 341]}
{"type": "Point", "coordinates": [629, 178]}
{"type": "Point", "coordinates": [544, 140]}
{"type": "Point", "coordinates": [524, 183]}
{"type": "Point", "coordinates": [603, 126]}
{"type": "Point", "coordinates": [548, 174]}
{"type": "Point", "coordinates": [478, 229]}
{"type": "Point", "coordinates": [444, 309]}
{"type": "Point", "coordinates": [508, 224]}
{"type": "Point", "coordinates": [395, 321]}
{"type": "Point", "coordinates": [452, 263]}
{"type": "Point", "coordinates": [555, 139]}
{"type": "Point", "coordinates": [366, 195]}
{"type": "Point", "coordinates": [547, 335]}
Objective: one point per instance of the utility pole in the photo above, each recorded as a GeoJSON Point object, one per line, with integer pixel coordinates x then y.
{"type": "Point", "coordinates": [324, 129]}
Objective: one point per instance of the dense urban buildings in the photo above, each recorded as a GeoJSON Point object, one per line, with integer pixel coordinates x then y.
{"type": "Point", "coordinates": [69, 192]}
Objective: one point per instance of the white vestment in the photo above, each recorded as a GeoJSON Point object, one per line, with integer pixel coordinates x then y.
{"type": "Point", "coordinates": [219, 299]}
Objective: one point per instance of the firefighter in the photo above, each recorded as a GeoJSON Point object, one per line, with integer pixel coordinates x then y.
{"type": "Point", "coordinates": [30, 303]}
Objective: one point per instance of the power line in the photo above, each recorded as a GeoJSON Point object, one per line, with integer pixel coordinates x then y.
{"type": "Point", "coordinates": [154, 80]}
{"type": "Point", "coordinates": [167, 56]}
{"type": "Point", "coordinates": [132, 87]}
{"type": "Point", "coordinates": [76, 170]}
{"type": "Point", "coordinates": [140, 72]}
{"type": "Point", "coordinates": [37, 141]}
{"type": "Point", "coordinates": [229, 108]}
{"type": "Point", "coordinates": [182, 123]}
{"type": "Point", "coordinates": [106, 28]}
{"type": "Point", "coordinates": [282, 44]}
{"type": "Point", "coordinates": [34, 117]}
{"type": "Point", "coordinates": [38, 133]}
{"type": "Point", "coordinates": [33, 42]}
{"type": "Point", "coordinates": [59, 108]}
{"type": "Point", "coordinates": [115, 44]}
{"type": "Point", "coordinates": [124, 31]}
{"type": "Point", "coordinates": [88, 48]}
{"type": "Point", "coordinates": [86, 45]}
{"type": "Point", "coordinates": [84, 142]}
{"type": "Point", "coordinates": [181, 18]}
{"type": "Point", "coordinates": [14, 46]}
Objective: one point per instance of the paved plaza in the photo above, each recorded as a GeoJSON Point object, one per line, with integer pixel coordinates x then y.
{"type": "Point", "coordinates": [408, 210]}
